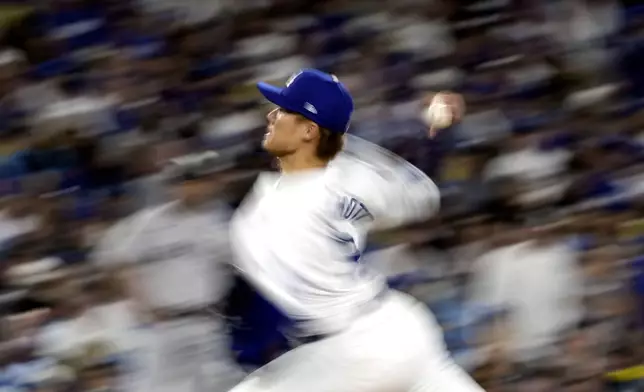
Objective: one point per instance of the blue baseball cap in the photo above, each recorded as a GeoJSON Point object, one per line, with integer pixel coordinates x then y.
{"type": "Point", "coordinates": [315, 95]}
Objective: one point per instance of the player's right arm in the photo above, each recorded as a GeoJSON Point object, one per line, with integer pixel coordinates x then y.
{"type": "Point", "coordinates": [393, 191]}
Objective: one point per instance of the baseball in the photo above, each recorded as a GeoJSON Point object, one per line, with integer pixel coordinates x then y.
{"type": "Point", "coordinates": [438, 114]}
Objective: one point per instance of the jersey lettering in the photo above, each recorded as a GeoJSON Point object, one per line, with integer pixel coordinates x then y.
{"type": "Point", "coordinates": [353, 210]}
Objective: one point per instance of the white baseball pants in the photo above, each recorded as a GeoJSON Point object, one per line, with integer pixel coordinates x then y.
{"type": "Point", "coordinates": [397, 348]}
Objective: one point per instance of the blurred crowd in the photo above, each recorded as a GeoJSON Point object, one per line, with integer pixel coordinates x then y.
{"type": "Point", "coordinates": [535, 266]}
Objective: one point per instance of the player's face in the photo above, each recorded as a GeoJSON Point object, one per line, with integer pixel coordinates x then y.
{"type": "Point", "coordinates": [283, 133]}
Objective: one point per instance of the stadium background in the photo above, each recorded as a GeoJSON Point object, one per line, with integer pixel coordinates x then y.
{"type": "Point", "coordinates": [542, 182]}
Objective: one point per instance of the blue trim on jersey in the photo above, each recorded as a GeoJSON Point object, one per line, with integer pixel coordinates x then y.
{"type": "Point", "coordinates": [347, 240]}
{"type": "Point", "coordinates": [343, 238]}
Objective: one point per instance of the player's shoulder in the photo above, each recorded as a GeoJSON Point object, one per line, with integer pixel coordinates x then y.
{"type": "Point", "coordinates": [265, 181]}
{"type": "Point", "coordinates": [349, 185]}
{"type": "Point", "coordinates": [354, 177]}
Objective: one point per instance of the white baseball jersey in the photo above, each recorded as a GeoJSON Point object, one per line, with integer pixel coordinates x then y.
{"type": "Point", "coordinates": [297, 236]}
{"type": "Point", "coordinates": [182, 255]}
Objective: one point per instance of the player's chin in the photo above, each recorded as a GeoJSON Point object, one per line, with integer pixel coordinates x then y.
{"type": "Point", "coordinates": [270, 147]}
{"type": "Point", "coordinates": [267, 143]}
{"type": "Point", "coordinates": [274, 149]}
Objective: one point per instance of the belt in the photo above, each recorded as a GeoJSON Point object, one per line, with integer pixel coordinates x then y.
{"type": "Point", "coordinates": [367, 308]}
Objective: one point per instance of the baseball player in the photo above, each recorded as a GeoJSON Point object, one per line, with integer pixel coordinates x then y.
{"type": "Point", "coordinates": [178, 272]}
{"type": "Point", "coordinates": [298, 237]}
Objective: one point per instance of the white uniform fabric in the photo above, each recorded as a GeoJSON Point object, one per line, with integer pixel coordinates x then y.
{"type": "Point", "coordinates": [295, 238]}
{"type": "Point", "coordinates": [180, 258]}
{"type": "Point", "coordinates": [398, 348]}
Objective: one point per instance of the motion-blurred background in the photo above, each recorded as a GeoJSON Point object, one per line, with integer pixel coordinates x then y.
{"type": "Point", "coordinates": [534, 267]}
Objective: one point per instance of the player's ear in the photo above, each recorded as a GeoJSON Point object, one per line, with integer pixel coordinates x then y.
{"type": "Point", "coordinates": [311, 131]}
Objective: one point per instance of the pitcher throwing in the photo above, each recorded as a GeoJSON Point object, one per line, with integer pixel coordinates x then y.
{"type": "Point", "coordinates": [298, 238]}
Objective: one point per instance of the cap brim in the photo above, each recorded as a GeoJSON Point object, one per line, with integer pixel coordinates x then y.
{"type": "Point", "coordinates": [271, 93]}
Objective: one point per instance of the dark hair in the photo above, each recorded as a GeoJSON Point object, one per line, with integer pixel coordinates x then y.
{"type": "Point", "coordinates": [330, 144]}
